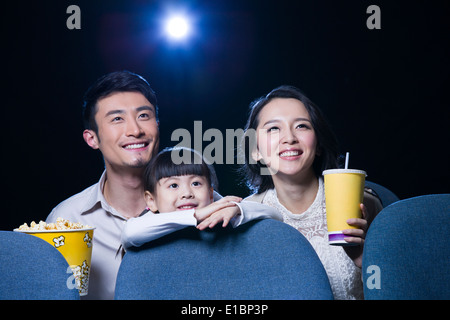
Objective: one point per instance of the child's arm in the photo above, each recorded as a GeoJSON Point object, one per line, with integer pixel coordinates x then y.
{"type": "Point", "coordinates": [243, 212]}
{"type": "Point", "coordinates": [252, 210]}
{"type": "Point", "coordinates": [150, 226]}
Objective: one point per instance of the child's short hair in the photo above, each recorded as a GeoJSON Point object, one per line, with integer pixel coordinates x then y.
{"type": "Point", "coordinates": [162, 166]}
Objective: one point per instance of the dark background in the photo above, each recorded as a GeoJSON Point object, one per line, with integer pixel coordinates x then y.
{"type": "Point", "coordinates": [385, 92]}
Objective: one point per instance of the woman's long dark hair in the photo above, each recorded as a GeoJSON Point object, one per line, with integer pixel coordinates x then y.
{"type": "Point", "coordinates": [327, 145]}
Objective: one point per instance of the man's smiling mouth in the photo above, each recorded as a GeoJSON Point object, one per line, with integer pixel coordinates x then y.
{"type": "Point", "coordinates": [135, 146]}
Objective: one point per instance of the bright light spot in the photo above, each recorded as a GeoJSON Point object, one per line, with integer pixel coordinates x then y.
{"type": "Point", "coordinates": [177, 27]}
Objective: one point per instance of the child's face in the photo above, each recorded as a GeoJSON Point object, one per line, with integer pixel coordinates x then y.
{"type": "Point", "coordinates": [180, 193]}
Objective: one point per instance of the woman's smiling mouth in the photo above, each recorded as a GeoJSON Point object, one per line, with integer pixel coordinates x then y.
{"type": "Point", "coordinates": [290, 154]}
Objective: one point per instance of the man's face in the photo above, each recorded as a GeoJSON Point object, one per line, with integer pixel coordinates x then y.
{"type": "Point", "coordinates": [128, 134]}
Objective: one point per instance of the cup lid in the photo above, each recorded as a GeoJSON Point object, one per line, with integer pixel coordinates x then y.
{"type": "Point", "coordinates": [332, 171]}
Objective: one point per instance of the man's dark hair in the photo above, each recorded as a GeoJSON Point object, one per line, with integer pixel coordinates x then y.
{"type": "Point", "coordinates": [119, 81]}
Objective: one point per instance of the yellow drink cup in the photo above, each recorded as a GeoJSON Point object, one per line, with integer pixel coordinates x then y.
{"type": "Point", "coordinates": [76, 247]}
{"type": "Point", "coordinates": [344, 192]}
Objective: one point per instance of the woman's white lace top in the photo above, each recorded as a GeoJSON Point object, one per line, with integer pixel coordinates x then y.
{"type": "Point", "coordinates": [344, 276]}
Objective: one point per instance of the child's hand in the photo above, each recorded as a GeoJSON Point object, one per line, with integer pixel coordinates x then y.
{"type": "Point", "coordinates": [203, 213]}
{"type": "Point", "coordinates": [222, 210]}
{"type": "Point", "coordinates": [356, 236]}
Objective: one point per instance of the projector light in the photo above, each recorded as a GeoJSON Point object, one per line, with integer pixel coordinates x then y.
{"type": "Point", "coordinates": [177, 27]}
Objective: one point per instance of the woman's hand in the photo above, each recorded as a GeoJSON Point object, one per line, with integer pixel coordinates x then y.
{"type": "Point", "coordinates": [356, 236]}
{"type": "Point", "coordinates": [222, 210]}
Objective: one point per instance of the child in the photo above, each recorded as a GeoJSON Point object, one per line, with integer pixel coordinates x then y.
{"type": "Point", "coordinates": [182, 195]}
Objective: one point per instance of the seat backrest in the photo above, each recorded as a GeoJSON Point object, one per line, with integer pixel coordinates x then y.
{"type": "Point", "coordinates": [31, 269]}
{"type": "Point", "coordinates": [407, 251]}
{"type": "Point", "coordinates": [386, 196]}
{"type": "Point", "coordinates": [263, 259]}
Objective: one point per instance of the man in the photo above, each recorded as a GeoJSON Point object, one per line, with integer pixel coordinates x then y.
{"type": "Point", "coordinates": [121, 120]}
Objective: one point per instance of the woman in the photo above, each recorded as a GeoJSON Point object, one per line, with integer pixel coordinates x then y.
{"type": "Point", "coordinates": [294, 144]}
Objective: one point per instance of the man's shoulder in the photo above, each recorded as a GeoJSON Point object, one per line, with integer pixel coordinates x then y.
{"type": "Point", "coordinates": [75, 205]}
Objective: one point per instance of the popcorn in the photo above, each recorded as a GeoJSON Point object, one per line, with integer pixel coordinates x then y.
{"type": "Point", "coordinates": [59, 241]}
{"type": "Point", "coordinates": [60, 224]}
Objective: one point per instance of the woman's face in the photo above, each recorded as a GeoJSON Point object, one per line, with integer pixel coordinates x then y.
{"type": "Point", "coordinates": [286, 141]}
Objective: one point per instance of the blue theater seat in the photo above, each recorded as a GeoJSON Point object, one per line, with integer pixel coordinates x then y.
{"type": "Point", "coordinates": [407, 250]}
{"type": "Point", "coordinates": [263, 259]}
{"type": "Point", "coordinates": [32, 269]}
